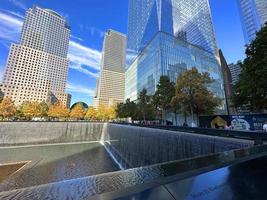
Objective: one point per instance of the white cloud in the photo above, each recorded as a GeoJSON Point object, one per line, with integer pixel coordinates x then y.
{"type": "Point", "coordinates": [82, 58]}
{"type": "Point", "coordinates": [10, 27]}
{"type": "Point", "coordinates": [16, 14]}
{"type": "Point", "coordinates": [19, 4]}
{"type": "Point", "coordinates": [74, 88]}
{"type": "Point", "coordinates": [1, 75]}
{"type": "Point", "coordinates": [92, 30]}
{"type": "Point", "coordinates": [76, 38]}
{"type": "Point", "coordinates": [83, 70]}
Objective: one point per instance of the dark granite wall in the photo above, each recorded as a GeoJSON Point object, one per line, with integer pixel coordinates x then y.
{"type": "Point", "coordinates": [137, 146]}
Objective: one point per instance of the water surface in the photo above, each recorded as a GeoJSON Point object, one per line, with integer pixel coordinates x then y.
{"type": "Point", "coordinates": [53, 163]}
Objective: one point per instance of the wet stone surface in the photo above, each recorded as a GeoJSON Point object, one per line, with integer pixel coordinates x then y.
{"type": "Point", "coordinates": [53, 163]}
{"type": "Point", "coordinates": [8, 169]}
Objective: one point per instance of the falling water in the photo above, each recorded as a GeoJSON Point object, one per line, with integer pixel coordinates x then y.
{"type": "Point", "coordinates": [136, 146]}
{"type": "Point", "coordinates": [134, 149]}
{"type": "Point", "coordinates": [105, 143]}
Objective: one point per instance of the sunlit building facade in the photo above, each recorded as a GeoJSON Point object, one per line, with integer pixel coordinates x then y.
{"type": "Point", "coordinates": [110, 88]}
{"type": "Point", "coordinates": [235, 71]}
{"type": "Point", "coordinates": [37, 67]}
{"type": "Point", "coordinates": [168, 37]}
{"type": "Point", "coordinates": [253, 15]}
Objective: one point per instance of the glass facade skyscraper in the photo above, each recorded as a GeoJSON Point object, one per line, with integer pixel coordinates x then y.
{"type": "Point", "coordinates": [253, 14]}
{"type": "Point", "coordinates": [167, 37]}
{"type": "Point", "coordinates": [188, 20]}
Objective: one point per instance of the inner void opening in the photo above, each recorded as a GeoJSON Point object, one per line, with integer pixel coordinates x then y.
{"type": "Point", "coordinates": [9, 169]}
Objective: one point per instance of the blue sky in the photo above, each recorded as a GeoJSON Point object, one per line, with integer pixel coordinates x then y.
{"type": "Point", "coordinates": [89, 19]}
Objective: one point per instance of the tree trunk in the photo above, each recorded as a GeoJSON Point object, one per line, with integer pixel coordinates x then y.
{"type": "Point", "coordinates": [175, 116]}
{"type": "Point", "coordinates": [185, 117]}
{"type": "Point", "coordinates": [197, 119]}
{"type": "Point", "coordinates": [164, 117]}
{"type": "Point", "coordinates": [192, 114]}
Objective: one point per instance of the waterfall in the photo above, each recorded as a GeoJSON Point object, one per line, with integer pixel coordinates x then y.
{"type": "Point", "coordinates": [103, 141]}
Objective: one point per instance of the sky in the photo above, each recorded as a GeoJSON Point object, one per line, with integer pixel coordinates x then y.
{"type": "Point", "coordinates": [90, 19]}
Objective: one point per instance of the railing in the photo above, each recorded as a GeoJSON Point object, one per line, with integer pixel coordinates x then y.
{"type": "Point", "coordinates": [258, 136]}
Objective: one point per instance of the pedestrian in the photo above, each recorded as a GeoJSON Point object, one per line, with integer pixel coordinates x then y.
{"type": "Point", "coordinates": [226, 127]}
{"type": "Point", "coordinates": [265, 127]}
{"type": "Point", "coordinates": [185, 124]}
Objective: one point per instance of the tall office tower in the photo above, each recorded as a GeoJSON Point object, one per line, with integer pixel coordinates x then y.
{"type": "Point", "coordinates": [235, 70]}
{"type": "Point", "coordinates": [37, 67]}
{"type": "Point", "coordinates": [253, 14]}
{"type": "Point", "coordinates": [110, 86]}
{"type": "Point", "coordinates": [168, 37]}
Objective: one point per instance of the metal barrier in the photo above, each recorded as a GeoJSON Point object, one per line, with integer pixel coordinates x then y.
{"type": "Point", "coordinates": [258, 136]}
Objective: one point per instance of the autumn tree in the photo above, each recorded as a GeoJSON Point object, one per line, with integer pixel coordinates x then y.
{"type": "Point", "coordinates": [77, 112]}
{"type": "Point", "coordinates": [30, 109]}
{"type": "Point", "coordinates": [44, 109]}
{"type": "Point", "coordinates": [7, 108]}
{"type": "Point", "coordinates": [163, 96]}
{"type": "Point", "coordinates": [193, 95]}
{"type": "Point", "coordinates": [112, 112]}
{"type": "Point", "coordinates": [91, 114]}
{"type": "Point", "coordinates": [102, 113]}
{"type": "Point", "coordinates": [251, 89]}
{"type": "Point", "coordinates": [58, 110]}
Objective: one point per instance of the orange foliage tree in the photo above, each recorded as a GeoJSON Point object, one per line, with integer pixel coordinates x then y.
{"type": "Point", "coordinates": [77, 112]}
{"type": "Point", "coordinates": [91, 114]}
{"type": "Point", "coordinates": [105, 113]}
{"type": "Point", "coordinates": [58, 110]}
{"type": "Point", "coordinates": [31, 109]}
{"type": "Point", "coordinates": [7, 108]}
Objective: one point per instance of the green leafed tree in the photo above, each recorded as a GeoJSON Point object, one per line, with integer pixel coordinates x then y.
{"type": "Point", "coordinates": [144, 105]}
{"type": "Point", "coordinates": [127, 109]}
{"type": "Point", "coordinates": [163, 96]}
{"type": "Point", "coordinates": [193, 95]}
{"type": "Point", "coordinates": [251, 89]}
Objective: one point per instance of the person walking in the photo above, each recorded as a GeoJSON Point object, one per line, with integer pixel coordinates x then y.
{"type": "Point", "coordinates": [265, 127]}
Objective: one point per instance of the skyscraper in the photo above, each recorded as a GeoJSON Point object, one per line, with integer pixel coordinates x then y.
{"type": "Point", "coordinates": [110, 85]}
{"type": "Point", "coordinates": [235, 70]}
{"type": "Point", "coordinates": [37, 67]}
{"type": "Point", "coordinates": [228, 85]}
{"type": "Point", "coordinates": [168, 37]}
{"type": "Point", "coordinates": [253, 14]}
